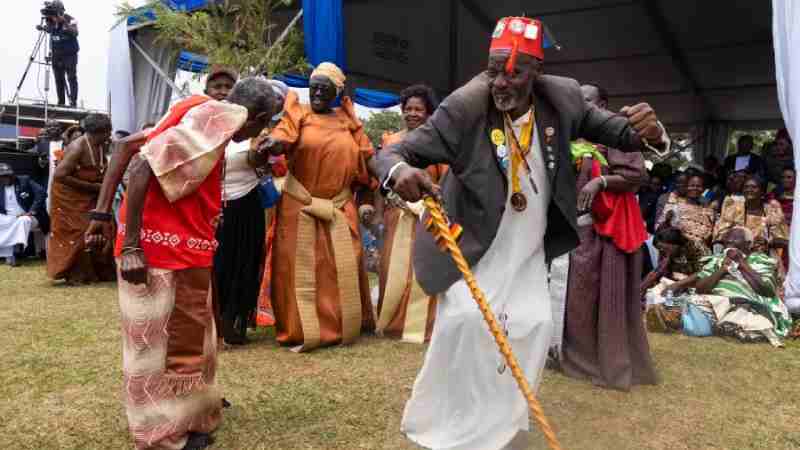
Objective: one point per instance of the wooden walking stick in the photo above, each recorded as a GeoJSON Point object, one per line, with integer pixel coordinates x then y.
{"type": "Point", "coordinates": [446, 235]}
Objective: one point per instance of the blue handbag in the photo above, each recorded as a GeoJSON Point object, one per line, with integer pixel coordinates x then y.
{"type": "Point", "coordinates": [695, 322]}
{"type": "Point", "coordinates": [269, 194]}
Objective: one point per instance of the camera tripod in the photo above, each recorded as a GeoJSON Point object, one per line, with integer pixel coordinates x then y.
{"type": "Point", "coordinates": [40, 55]}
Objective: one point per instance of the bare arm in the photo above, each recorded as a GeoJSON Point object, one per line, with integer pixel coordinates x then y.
{"type": "Point", "coordinates": [270, 146]}
{"type": "Point", "coordinates": [137, 190]}
{"type": "Point", "coordinates": [257, 159]}
{"type": "Point", "coordinates": [133, 266]}
{"type": "Point", "coordinates": [707, 284]}
{"type": "Point", "coordinates": [614, 183]}
{"type": "Point", "coordinates": [654, 277]}
{"type": "Point", "coordinates": [754, 280]}
{"type": "Point", "coordinates": [119, 162]}
{"type": "Point", "coordinates": [66, 169]}
{"type": "Point", "coordinates": [126, 148]}
{"type": "Point", "coordinates": [684, 284]}
{"type": "Point", "coordinates": [626, 130]}
{"type": "Point", "coordinates": [618, 183]}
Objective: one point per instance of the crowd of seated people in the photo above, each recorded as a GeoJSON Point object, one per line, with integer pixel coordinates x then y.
{"type": "Point", "coordinates": [720, 242]}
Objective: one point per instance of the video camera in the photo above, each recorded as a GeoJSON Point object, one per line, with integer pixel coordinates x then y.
{"type": "Point", "coordinates": [52, 8]}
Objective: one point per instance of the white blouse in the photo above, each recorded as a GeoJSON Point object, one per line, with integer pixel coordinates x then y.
{"type": "Point", "coordinates": [240, 177]}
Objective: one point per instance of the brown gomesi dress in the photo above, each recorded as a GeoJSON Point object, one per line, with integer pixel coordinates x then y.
{"type": "Point", "coordinates": [319, 285]}
{"type": "Point", "coordinates": [604, 337]}
{"type": "Point", "coordinates": [67, 257]}
{"type": "Point", "coordinates": [404, 311]}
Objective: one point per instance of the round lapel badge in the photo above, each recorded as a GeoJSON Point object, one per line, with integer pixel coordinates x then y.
{"type": "Point", "coordinates": [502, 151]}
{"type": "Point", "coordinates": [498, 137]}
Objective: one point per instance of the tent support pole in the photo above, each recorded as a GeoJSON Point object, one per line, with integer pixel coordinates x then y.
{"type": "Point", "coordinates": [280, 39]}
{"type": "Point", "coordinates": [158, 69]}
{"type": "Point", "coordinates": [659, 22]}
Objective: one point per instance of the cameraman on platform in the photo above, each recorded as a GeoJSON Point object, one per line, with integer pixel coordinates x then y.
{"type": "Point", "coordinates": [63, 31]}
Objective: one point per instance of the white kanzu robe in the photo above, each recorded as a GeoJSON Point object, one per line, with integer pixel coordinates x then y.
{"type": "Point", "coordinates": [14, 226]}
{"type": "Point", "coordinates": [461, 401]}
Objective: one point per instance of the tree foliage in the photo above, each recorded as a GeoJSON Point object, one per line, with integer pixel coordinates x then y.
{"type": "Point", "coordinates": [382, 122]}
{"type": "Point", "coordinates": [233, 33]}
{"type": "Point", "coordinates": [760, 139]}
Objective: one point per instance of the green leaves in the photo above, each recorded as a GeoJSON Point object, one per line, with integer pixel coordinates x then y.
{"type": "Point", "coordinates": [382, 122]}
{"type": "Point", "coordinates": [237, 34]}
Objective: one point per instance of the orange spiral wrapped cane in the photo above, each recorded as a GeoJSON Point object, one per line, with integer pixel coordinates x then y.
{"type": "Point", "coordinates": [446, 236]}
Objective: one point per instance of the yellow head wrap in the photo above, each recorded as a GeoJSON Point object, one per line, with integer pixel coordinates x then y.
{"type": "Point", "coordinates": [331, 72]}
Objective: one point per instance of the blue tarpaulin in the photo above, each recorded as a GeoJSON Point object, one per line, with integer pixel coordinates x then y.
{"type": "Point", "coordinates": [365, 97]}
{"type": "Point", "coordinates": [143, 17]}
{"type": "Point", "coordinates": [178, 5]}
{"type": "Point", "coordinates": [323, 26]}
{"type": "Point", "coordinates": [295, 81]}
{"type": "Point", "coordinates": [187, 5]}
{"type": "Point", "coordinates": [375, 99]}
{"type": "Point", "coordinates": [192, 62]}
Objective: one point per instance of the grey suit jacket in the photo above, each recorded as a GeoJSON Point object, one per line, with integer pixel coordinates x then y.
{"type": "Point", "coordinates": [474, 190]}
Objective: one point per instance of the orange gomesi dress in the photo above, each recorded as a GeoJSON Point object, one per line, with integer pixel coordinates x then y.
{"type": "Point", "coordinates": [320, 290]}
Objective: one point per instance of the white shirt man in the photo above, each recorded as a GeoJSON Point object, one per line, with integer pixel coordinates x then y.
{"type": "Point", "coordinates": [16, 222]}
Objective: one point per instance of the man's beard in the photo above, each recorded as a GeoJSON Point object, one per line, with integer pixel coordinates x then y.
{"type": "Point", "coordinates": [510, 100]}
{"type": "Point", "coordinates": [505, 101]}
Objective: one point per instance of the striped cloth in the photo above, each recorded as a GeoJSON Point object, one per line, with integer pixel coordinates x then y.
{"type": "Point", "coordinates": [169, 357]}
{"type": "Point", "coordinates": [736, 287]}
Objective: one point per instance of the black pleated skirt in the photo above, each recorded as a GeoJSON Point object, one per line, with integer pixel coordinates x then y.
{"type": "Point", "coordinates": [239, 257]}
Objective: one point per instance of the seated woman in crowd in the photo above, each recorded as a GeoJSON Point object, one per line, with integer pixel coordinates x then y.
{"type": "Point", "coordinates": [743, 289]}
{"type": "Point", "coordinates": [692, 217]}
{"type": "Point", "coordinates": [679, 259]}
{"type": "Point", "coordinates": [676, 272]}
{"type": "Point", "coordinates": [764, 219]}
{"type": "Point", "coordinates": [670, 199]}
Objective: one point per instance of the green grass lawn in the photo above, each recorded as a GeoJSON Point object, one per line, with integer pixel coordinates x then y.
{"type": "Point", "coordinates": [60, 385]}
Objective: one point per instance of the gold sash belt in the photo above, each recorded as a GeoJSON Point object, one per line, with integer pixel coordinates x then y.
{"type": "Point", "coordinates": [397, 282]}
{"type": "Point", "coordinates": [327, 213]}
